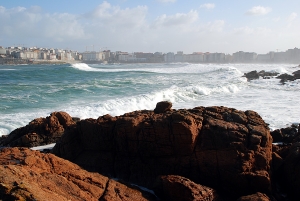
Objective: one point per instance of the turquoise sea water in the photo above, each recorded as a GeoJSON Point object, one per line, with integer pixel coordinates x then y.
{"type": "Point", "coordinates": [32, 91]}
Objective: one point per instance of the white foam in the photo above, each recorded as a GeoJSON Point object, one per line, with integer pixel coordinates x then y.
{"type": "Point", "coordinates": [84, 67]}
{"type": "Point", "coordinates": [41, 148]}
{"type": "Point", "coordinates": [183, 68]}
{"type": "Point", "coordinates": [8, 69]}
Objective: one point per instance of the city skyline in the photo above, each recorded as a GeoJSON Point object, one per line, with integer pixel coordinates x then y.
{"type": "Point", "coordinates": [150, 26]}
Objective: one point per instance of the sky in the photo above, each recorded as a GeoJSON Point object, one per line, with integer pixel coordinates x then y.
{"type": "Point", "coordinates": [152, 25]}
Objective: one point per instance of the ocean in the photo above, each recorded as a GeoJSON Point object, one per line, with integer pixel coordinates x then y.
{"type": "Point", "coordinates": [92, 90]}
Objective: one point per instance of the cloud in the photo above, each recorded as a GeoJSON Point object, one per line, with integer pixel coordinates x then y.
{"type": "Point", "coordinates": [208, 6]}
{"type": "Point", "coordinates": [258, 10]}
{"type": "Point", "coordinates": [292, 17]}
{"type": "Point", "coordinates": [215, 26]}
{"type": "Point", "coordinates": [176, 20]}
{"type": "Point", "coordinates": [113, 16]}
{"type": "Point", "coordinates": [258, 31]}
{"type": "Point", "coordinates": [167, 1]}
{"type": "Point", "coordinates": [32, 26]}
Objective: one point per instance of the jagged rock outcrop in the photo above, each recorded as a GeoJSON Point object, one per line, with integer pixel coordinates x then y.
{"type": "Point", "coordinates": [223, 148]}
{"type": "Point", "coordinates": [177, 188]}
{"type": "Point", "coordinates": [40, 131]}
{"type": "Point", "coordinates": [31, 175]}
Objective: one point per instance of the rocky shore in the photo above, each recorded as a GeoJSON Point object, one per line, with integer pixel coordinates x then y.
{"type": "Point", "coordinates": [267, 75]}
{"type": "Point", "coordinates": [204, 153]}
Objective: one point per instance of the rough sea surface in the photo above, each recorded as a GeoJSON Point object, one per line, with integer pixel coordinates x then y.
{"type": "Point", "coordinates": [89, 91]}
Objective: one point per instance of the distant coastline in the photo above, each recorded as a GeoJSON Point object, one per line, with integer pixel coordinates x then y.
{"type": "Point", "coordinates": [14, 61]}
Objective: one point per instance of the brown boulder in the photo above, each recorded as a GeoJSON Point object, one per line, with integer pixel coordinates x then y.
{"type": "Point", "coordinates": [31, 175]}
{"type": "Point", "coordinates": [162, 107]}
{"type": "Point", "coordinates": [224, 148]}
{"type": "Point", "coordinates": [40, 131]}
{"type": "Point", "coordinates": [177, 188]}
{"type": "Point", "coordinates": [255, 197]}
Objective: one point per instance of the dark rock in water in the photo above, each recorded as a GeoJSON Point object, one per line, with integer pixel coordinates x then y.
{"type": "Point", "coordinates": [252, 75]}
{"type": "Point", "coordinates": [224, 148]}
{"type": "Point", "coordinates": [177, 188]}
{"type": "Point", "coordinates": [31, 175]}
{"type": "Point", "coordinates": [255, 197]}
{"type": "Point", "coordinates": [265, 74]}
{"type": "Point", "coordinates": [255, 75]}
{"type": "Point", "coordinates": [297, 74]}
{"type": "Point", "coordinates": [40, 131]}
{"type": "Point", "coordinates": [285, 77]}
{"type": "Point", "coordinates": [162, 107]}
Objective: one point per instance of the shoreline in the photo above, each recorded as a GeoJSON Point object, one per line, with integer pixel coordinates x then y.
{"type": "Point", "coordinates": [12, 61]}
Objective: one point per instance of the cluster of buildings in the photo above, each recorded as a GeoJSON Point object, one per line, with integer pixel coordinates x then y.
{"type": "Point", "coordinates": [35, 53]}
{"type": "Point", "coordinates": [107, 56]}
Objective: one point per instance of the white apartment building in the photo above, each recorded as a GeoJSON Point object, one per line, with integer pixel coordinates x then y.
{"type": "Point", "coordinates": [169, 57]}
{"type": "Point", "coordinates": [93, 56]}
{"type": "Point", "coordinates": [27, 55]}
{"type": "Point", "coordinates": [2, 51]}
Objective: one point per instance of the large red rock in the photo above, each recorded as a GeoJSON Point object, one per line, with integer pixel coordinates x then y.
{"type": "Point", "coordinates": [31, 175]}
{"type": "Point", "coordinates": [177, 188]}
{"type": "Point", "coordinates": [40, 131]}
{"type": "Point", "coordinates": [223, 148]}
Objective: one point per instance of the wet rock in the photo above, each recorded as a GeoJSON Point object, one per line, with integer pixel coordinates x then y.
{"type": "Point", "coordinates": [297, 74]}
{"type": "Point", "coordinates": [252, 75]}
{"type": "Point", "coordinates": [40, 131]}
{"type": "Point", "coordinates": [255, 75]}
{"type": "Point", "coordinates": [177, 188]}
{"type": "Point", "coordinates": [224, 148]}
{"type": "Point", "coordinates": [285, 77]}
{"type": "Point", "coordinates": [162, 107]}
{"type": "Point", "coordinates": [265, 74]}
{"type": "Point", "coordinates": [32, 175]}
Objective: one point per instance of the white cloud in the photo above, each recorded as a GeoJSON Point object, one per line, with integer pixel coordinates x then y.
{"type": "Point", "coordinates": [277, 19]}
{"type": "Point", "coordinates": [113, 16]}
{"type": "Point", "coordinates": [208, 6]}
{"type": "Point", "coordinates": [177, 19]}
{"type": "Point", "coordinates": [259, 10]}
{"type": "Point", "coordinates": [290, 20]}
{"type": "Point", "coordinates": [31, 25]}
{"type": "Point", "coordinates": [215, 26]}
{"type": "Point", "coordinates": [292, 17]}
{"type": "Point", "coordinates": [259, 31]}
{"type": "Point", "coordinates": [167, 1]}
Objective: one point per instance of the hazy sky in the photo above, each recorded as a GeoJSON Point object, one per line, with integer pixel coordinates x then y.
{"type": "Point", "coordinates": [152, 25]}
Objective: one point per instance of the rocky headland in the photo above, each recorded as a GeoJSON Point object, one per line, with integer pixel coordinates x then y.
{"type": "Point", "coordinates": [204, 153]}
